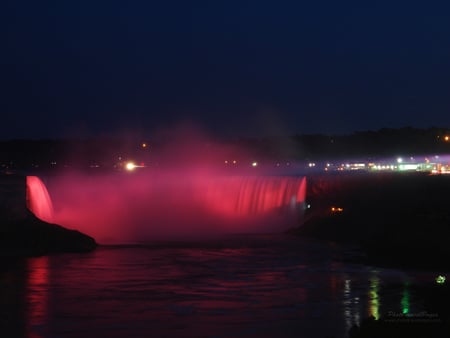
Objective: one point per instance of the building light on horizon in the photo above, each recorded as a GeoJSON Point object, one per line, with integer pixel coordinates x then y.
{"type": "Point", "coordinates": [130, 166]}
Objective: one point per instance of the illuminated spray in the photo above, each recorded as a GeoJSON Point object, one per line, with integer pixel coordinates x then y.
{"type": "Point", "coordinates": [153, 205]}
{"type": "Point", "coordinates": [185, 196]}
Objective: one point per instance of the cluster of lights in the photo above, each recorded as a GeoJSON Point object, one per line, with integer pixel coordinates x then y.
{"type": "Point", "coordinates": [336, 209]}
{"type": "Point", "coordinates": [345, 166]}
{"type": "Point", "coordinates": [278, 164]}
{"type": "Point", "coordinates": [384, 167]}
{"type": "Point", "coordinates": [253, 164]}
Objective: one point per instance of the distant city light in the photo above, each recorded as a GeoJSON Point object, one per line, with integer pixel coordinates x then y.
{"type": "Point", "coordinates": [404, 167]}
{"type": "Point", "coordinates": [144, 145]}
{"type": "Point", "coordinates": [399, 160]}
{"type": "Point", "coordinates": [446, 138]}
{"type": "Point", "coordinates": [255, 164]}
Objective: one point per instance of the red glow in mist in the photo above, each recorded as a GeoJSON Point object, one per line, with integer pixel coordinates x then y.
{"type": "Point", "coordinates": [186, 192]}
{"type": "Point", "coordinates": [123, 208]}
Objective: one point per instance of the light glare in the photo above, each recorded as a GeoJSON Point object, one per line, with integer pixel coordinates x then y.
{"type": "Point", "coordinates": [130, 166]}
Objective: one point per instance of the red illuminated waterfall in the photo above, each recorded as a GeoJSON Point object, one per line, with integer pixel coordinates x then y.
{"type": "Point", "coordinates": [244, 196]}
{"type": "Point", "coordinates": [38, 199]}
{"type": "Point", "coordinates": [121, 208]}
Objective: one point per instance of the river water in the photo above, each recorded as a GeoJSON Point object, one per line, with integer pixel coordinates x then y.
{"type": "Point", "coordinates": [239, 286]}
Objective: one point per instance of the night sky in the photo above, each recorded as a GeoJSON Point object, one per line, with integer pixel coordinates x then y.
{"type": "Point", "coordinates": [235, 68]}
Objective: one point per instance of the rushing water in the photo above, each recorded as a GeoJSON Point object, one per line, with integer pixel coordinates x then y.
{"type": "Point", "coordinates": [38, 199]}
{"type": "Point", "coordinates": [244, 286]}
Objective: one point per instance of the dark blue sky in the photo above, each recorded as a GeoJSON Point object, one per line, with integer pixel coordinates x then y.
{"type": "Point", "coordinates": [233, 67]}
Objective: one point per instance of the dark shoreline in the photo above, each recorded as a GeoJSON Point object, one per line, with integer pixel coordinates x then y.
{"type": "Point", "coordinates": [33, 237]}
{"type": "Point", "coordinates": [399, 219]}
{"type": "Point", "coordinates": [22, 234]}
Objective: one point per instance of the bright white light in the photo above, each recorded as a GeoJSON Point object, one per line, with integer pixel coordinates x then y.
{"type": "Point", "coordinates": [130, 166]}
{"type": "Point", "coordinates": [255, 164]}
{"type": "Point", "coordinates": [399, 160]}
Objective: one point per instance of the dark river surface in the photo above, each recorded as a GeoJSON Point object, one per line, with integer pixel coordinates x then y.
{"type": "Point", "coordinates": [239, 286]}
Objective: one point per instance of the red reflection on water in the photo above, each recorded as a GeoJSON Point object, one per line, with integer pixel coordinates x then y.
{"type": "Point", "coordinates": [154, 204]}
{"type": "Point", "coordinates": [37, 297]}
{"type": "Point", "coordinates": [38, 199]}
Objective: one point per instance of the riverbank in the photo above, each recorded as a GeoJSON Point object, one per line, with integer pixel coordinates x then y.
{"type": "Point", "coordinates": [399, 220]}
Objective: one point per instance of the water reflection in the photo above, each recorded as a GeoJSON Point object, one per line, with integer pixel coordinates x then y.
{"type": "Point", "coordinates": [352, 306]}
{"type": "Point", "coordinates": [374, 297]}
{"type": "Point", "coordinates": [37, 297]}
{"type": "Point", "coordinates": [268, 289]}
{"type": "Point", "coordinates": [405, 299]}
{"type": "Point", "coordinates": [12, 302]}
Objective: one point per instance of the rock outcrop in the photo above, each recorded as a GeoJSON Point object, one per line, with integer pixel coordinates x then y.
{"type": "Point", "coordinates": [23, 234]}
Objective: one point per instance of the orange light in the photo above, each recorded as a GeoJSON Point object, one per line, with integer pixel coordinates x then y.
{"type": "Point", "coordinates": [337, 209]}
{"type": "Point", "coordinates": [446, 138]}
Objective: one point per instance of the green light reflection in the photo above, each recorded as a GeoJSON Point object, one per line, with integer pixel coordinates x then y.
{"type": "Point", "coordinates": [374, 298]}
{"type": "Point", "coordinates": [405, 299]}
